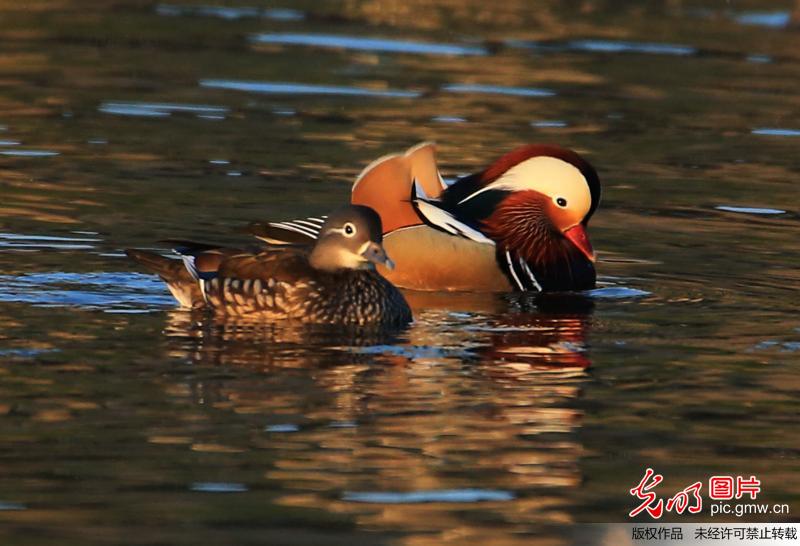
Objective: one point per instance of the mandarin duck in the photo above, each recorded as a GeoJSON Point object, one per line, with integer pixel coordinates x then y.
{"type": "Point", "coordinates": [518, 225]}
{"type": "Point", "coordinates": [333, 282]}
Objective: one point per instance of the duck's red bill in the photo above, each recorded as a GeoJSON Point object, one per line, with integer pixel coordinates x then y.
{"type": "Point", "coordinates": [578, 236]}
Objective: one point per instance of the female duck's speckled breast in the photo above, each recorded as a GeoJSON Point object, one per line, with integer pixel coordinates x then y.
{"type": "Point", "coordinates": [361, 297]}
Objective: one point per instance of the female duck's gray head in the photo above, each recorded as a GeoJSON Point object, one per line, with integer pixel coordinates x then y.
{"type": "Point", "coordinates": [351, 238]}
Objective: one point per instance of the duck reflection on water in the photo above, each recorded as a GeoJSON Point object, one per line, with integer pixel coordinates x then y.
{"type": "Point", "coordinates": [537, 331]}
{"type": "Point", "coordinates": [482, 396]}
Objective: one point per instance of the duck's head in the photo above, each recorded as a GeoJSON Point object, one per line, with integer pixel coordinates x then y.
{"type": "Point", "coordinates": [533, 190]}
{"type": "Point", "coordinates": [351, 238]}
{"type": "Point", "coordinates": [536, 201]}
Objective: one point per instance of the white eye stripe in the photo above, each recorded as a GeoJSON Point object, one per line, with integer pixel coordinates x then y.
{"type": "Point", "coordinates": [343, 230]}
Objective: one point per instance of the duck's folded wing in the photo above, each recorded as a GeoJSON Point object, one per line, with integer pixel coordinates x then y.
{"type": "Point", "coordinates": [263, 282]}
{"type": "Point", "coordinates": [279, 265]}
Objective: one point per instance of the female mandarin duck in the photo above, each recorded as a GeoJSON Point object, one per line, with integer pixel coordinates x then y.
{"type": "Point", "coordinates": [520, 224]}
{"type": "Point", "coordinates": [334, 282]}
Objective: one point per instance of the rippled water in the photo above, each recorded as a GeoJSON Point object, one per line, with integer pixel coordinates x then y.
{"type": "Point", "coordinates": [492, 419]}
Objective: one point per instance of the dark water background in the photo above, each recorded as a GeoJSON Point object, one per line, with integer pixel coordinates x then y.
{"type": "Point", "coordinates": [491, 420]}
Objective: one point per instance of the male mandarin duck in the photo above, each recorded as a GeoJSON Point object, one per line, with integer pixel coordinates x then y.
{"type": "Point", "coordinates": [520, 224]}
{"type": "Point", "coordinates": [333, 282]}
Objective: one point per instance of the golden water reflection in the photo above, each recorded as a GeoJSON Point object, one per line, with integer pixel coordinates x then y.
{"type": "Point", "coordinates": [491, 405]}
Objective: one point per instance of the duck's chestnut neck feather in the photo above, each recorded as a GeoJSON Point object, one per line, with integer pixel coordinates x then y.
{"type": "Point", "coordinates": [522, 230]}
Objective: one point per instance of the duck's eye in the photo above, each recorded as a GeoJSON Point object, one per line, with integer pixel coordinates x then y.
{"type": "Point", "coordinates": [561, 202]}
{"type": "Point", "coordinates": [349, 229]}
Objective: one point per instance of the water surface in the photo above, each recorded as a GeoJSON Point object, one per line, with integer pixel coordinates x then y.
{"type": "Point", "coordinates": [491, 420]}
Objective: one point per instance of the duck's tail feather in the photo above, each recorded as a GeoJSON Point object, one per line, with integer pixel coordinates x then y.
{"type": "Point", "coordinates": [173, 272]}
